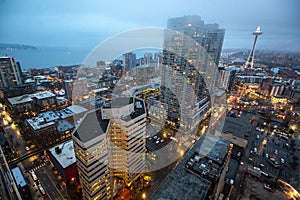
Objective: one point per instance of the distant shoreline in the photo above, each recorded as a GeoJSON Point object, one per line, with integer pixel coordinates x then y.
{"type": "Point", "coordinates": [10, 47]}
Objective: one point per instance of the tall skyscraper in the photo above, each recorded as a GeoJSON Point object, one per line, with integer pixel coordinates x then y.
{"type": "Point", "coordinates": [10, 72]}
{"type": "Point", "coordinates": [129, 60]}
{"type": "Point", "coordinates": [209, 36]}
{"type": "Point", "coordinates": [110, 142]}
{"type": "Point", "coordinates": [189, 70]}
{"type": "Point", "coordinates": [213, 41]}
{"type": "Point", "coordinates": [148, 58]}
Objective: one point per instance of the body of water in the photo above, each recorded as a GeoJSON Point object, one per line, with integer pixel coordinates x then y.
{"type": "Point", "coordinates": [44, 57]}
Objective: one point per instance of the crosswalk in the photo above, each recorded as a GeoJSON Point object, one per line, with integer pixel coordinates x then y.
{"type": "Point", "coordinates": [37, 167]}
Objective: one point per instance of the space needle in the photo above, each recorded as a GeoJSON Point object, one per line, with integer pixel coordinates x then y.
{"type": "Point", "coordinates": [250, 61]}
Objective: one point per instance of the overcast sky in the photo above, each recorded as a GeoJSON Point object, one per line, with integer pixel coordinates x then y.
{"type": "Point", "coordinates": [85, 24]}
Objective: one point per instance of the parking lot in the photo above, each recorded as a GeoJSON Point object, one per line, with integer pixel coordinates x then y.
{"type": "Point", "coordinates": [268, 147]}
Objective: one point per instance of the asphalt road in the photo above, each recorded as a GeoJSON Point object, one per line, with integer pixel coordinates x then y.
{"type": "Point", "coordinates": [48, 185]}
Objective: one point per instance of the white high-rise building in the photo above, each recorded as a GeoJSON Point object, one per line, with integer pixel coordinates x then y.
{"type": "Point", "coordinates": [110, 142]}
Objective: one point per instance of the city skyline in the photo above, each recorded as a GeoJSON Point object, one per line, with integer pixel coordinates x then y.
{"type": "Point", "coordinates": [68, 24]}
{"type": "Point", "coordinates": [129, 100]}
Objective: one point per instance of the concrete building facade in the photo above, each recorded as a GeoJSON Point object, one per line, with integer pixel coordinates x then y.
{"type": "Point", "coordinates": [110, 142]}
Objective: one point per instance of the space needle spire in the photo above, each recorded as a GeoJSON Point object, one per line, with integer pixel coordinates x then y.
{"type": "Point", "coordinates": [250, 61]}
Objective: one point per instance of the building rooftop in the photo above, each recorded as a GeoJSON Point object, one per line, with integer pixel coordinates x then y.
{"type": "Point", "coordinates": [118, 102]}
{"type": "Point", "coordinates": [76, 109]}
{"type": "Point", "coordinates": [19, 99]}
{"type": "Point", "coordinates": [37, 123]}
{"type": "Point", "coordinates": [214, 148]}
{"type": "Point", "coordinates": [182, 183]}
{"type": "Point", "coordinates": [68, 81]}
{"type": "Point", "coordinates": [48, 116]}
{"type": "Point", "coordinates": [42, 95]}
{"type": "Point", "coordinates": [64, 125]}
{"type": "Point", "coordinates": [138, 89]}
{"type": "Point", "coordinates": [67, 155]}
{"type": "Point", "coordinates": [18, 175]}
{"type": "Point", "coordinates": [99, 90]}
{"type": "Point", "coordinates": [235, 140]}
{"type": "Point", "coordinates": [94, 124]}
{"type": "Point", "coordinates": [91, 126]}
{"type": "Point", "coordinates": [64, 113]}
{"type": "Point", "coordinates": [207, 162]}
{"type": "Point", "coordinates": [43, 120]}
{"type": "Point", "coordinates": [4, 57]}
{"type": "Point", "coordinates": [139, 109]}
{"type": "Point", "coordinates": [61, 99]}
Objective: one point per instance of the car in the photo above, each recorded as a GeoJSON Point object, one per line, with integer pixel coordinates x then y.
{"type": "Point", "coordinates": [58, 186]}
{"type": "Point", "coordinates": [262, 130]}
{"type": "Point", "coordinates": [256, 168]}
{"type": "Point", "coordinates": [261, 165]}
{"type": "Point", "coordinates": [272, 159]}
{"type": "Point", "coordinates": [239, 154]}
{"type": "Point", "coordinates": [174, 139]}
{"type": "Point", "coordinates": [255, 150]}
{"type": "Point", "coordinates": [155, 137]}
{"type": "Point", "coordinates": [264, 174]}
{"type": "Point", "coordinates": [282, 160]}
{"type": "Point", "coordinates": [257, 128]}
{"type": "Point", "coordinates": [267, 155]}
{"type": "Point", "coordinates": [286, 165]}
{"type": "Point", "coordinates": [250, 159]}
{"type": "Point", "coordinates": [157, 141]}
{"type": "Point", "coordinates": [257, 136]}
{"type": "Point", "coordinates": [162, 140]}
{"type": "Point", "coordinates": [242, 163]}
{"type": "Point", "coordinates": [41, 189]}
{"type": "Point", "coordinates": [27, 148]}
{"type": "Point", "coordinates": [268, 187]}
{"type": "Point", "coordinates": [33, 175]}
{"type": "Point", "coordinates": [276, 151]}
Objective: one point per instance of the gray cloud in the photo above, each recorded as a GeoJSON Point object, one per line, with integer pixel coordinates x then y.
{"type": "Point", "coordinates": [79, 23]}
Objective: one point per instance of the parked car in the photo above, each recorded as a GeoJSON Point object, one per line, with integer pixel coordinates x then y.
{"type": "Point", "coordinates": [267, 155]}
{"type": "Point", "coordinates": [268, 187]}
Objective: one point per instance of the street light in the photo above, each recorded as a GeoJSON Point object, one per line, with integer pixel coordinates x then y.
{"type": "Point", "coordinates": [144, 195]}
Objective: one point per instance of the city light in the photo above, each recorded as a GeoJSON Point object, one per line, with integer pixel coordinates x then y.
{"type": "Point", "coordinates": [132, 122]}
